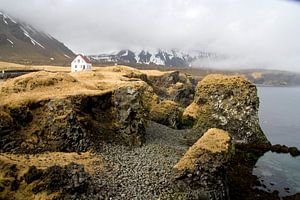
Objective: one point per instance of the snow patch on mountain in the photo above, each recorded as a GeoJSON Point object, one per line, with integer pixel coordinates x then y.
{"type": "Point", "coordinates": [10, 41]}
{"type": "Point", "coordinates": [169, 58]}
{"type": "Point", "coordinates": [67, 56]}
{"type": "Point", "coordinates": [33, 41]}
{"type": "Point", "coordinates": [5, 17]}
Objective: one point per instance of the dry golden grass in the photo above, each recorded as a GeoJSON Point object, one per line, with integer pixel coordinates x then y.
{"type": "Point", "coordinates": [222, 79]}
{"type": "Point", "coordinates": [13, 66]}
{"type": "Point", "coordinates": [164, 106]}
{"type": "Point", "coordinates": [213, 141]}
{"type": "Point", "coordinates": [45, 160]}
{"type": "Point", "coordinates": [41, 161]}
{"type": "Point", "coordinates": [155, 72]}
{"type": "Point", "coordinates": [43, 85]}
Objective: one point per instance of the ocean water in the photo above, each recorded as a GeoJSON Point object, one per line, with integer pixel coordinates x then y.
{"type": "Point", "coordinates": [279, 115]}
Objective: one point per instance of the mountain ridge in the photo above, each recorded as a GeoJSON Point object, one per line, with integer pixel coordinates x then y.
{"type": "Point", "coordinates": [159, 57]}
{"type": "Point", "coordinates": [22, 43]}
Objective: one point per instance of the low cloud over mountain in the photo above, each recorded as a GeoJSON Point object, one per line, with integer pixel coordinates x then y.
{"type": "Point", "coordinates": [251, 33]}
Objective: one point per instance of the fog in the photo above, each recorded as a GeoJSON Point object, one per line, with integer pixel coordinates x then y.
{"type": "Point", "coordinates": [250, 33]}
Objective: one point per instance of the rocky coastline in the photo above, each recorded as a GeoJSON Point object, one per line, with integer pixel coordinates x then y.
{"type": "Point", "coordinates": [137, 134]}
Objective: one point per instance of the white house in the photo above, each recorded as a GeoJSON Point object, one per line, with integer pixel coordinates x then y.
{"type": "Point", "coordinates": [81, 63]}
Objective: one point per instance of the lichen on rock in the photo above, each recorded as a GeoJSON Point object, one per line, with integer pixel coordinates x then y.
{"type": "Point", "coordinates": [174, 86]}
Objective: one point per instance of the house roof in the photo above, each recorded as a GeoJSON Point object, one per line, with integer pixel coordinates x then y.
{"type": "Point", "coordinates": [85, 58]}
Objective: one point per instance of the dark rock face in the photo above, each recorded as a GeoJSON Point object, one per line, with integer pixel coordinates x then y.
{"type": "Point", "coordinates": [126, 56]}
{"type": "Point", "coordinates": [66, 180]}
{"type": "Point", "coordinates": [241, 182]}
{"type": "Point", "coordinates": [174, 86]}
{"type": "Point", "coordinates": [56, 181]}
{"type": "Point", "coordinates": [229, 103]}
{"type": "Point", "coordinates": [131, 108]}
{"type": "Point", "coordinates": [144, 57]}
{"type": "Point", "coordinates": [77, 123]}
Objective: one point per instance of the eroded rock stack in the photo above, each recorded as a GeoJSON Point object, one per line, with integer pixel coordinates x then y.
{"type": "Point", "coordinates": [229, 103]}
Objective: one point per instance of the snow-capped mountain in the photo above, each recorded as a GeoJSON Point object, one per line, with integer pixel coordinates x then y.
{"type": "Point", "coordinates": [168, 58]}
{"type": "Point", "coordinates": [20, 42]}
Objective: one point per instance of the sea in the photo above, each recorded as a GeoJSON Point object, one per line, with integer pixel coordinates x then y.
{"type": "Point", "coordinates": [279, 115]}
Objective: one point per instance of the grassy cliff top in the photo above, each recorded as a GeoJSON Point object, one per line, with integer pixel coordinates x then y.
{"type": "Point", "coordinates": [44, 85]}
{"type": "Point", "coordinates": [223, 79]}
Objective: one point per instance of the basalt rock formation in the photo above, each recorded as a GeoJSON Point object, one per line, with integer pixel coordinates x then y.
{"type": "Point", "coordinates": [22, 180]}
{"type": "Point", "coordinates": [229, 103]}
{"type": "Point", "coordinates": [60, 112]}
{"type": "Point", "coordinates": [173, 86]}
{"type": "Point", "coordinates": [77, 112]}
{"type": "Point", "coordinates": [204, 164]}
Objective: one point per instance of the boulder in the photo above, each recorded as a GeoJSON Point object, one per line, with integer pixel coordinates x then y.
{"type": "Point", "coordinates": [166, 112]}
{"type": "Point", "coordinates": [227, 102]}
{"type": "Point", "coordinates": [204, 164]}
{"type": "Point", "coordinates": [190, 114]}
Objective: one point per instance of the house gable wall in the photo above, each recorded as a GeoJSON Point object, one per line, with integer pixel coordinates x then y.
{"type": "Point", "coordinates": [79, 64]}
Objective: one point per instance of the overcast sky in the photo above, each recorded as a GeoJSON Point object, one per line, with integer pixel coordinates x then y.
{"type": "Point", "coordinates": [253, 33]}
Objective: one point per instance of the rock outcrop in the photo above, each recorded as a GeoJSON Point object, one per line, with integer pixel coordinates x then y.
{"type": "Point", "coordinates": [229, 103]}
{"type": "Point", "coordinates": [204, 164]}
{"type": "Point", "coordinates": [173, 86]}
{"type": "Point", "coordinates": [75, 112]}
{"type": "Point", "coordinates": [45, 111]}
{"type": "Point", "coordinates": [50, 183]}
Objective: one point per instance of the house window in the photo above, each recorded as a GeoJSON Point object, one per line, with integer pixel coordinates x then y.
{"type": "Point", "coordinates": [83, 66]}
{"type": "Point", "coordinates": [75, 66]}
{"type": "Point", "coordinates": [78, 60]}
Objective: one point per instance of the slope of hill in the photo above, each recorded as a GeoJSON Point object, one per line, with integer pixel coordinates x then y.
{"type": "Point", "coordinates": [20, 42]}
{"type": "Point", "coordinates": [168, 58]}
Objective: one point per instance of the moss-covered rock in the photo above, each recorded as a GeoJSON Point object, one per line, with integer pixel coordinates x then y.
{"type": "Point", "coordinates": [190, 114]}
{"type": "Point", "coordinates": [204, 164]}
{"type": "Point", "coordinates": [54, 182]}
{"type": "Point", "coordinates": [173, 86]}
{"type": "Point", "coordinates": [230, 103]}
{"type": "Point", "coordinates": [53, 117]}
{"type": "Point", "coordinates": [166, 112]}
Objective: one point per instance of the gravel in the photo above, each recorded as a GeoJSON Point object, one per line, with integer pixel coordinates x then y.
{"type": "Point", "coordinates": [143, 172]}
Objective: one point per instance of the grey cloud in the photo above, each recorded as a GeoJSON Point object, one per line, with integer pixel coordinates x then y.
{"type": "Point", "coordinates": [252, 33]}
